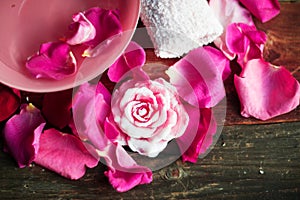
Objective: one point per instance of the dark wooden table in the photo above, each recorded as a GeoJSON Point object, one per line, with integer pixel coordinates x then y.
{"type": "Point", "coordinates": [251, 160]}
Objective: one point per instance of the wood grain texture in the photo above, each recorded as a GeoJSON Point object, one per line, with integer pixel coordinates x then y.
{"type": "Point", "coordinates": [251, 160]}
{"type": "Point", "coordinates": [248, 162]}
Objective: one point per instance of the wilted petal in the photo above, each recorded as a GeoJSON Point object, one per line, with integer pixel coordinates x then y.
{"type": "Point", "coordinates": [228, 12]}
{"type": "Point", "coordinates": [124, 173]}
{"type": "Point", "coordinates": [57, 108]}
{"type": "Point", "coordinates": [198, 137]}
{"type": "Point", "coordinates": [198, 79]}
{"type": "Point", "coordinates": [266, 91]}
{"type": "Point", "coordinates": [21, 134]}
{"type": "Point", "coordinates": [64, 154]}
{"type": "Point", "coordinates": [265, 10]}
{"type": "Point", "coordinates": [9, 102]}
{"type": "Point", "coordinates": [134, 56]}
{"type": "Point", "coordinates": [54, 61]}
{"type": "Point", "coordinates": [245, 41]}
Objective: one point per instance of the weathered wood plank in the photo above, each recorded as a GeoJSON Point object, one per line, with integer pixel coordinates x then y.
{"type": "Point", "coordinates": [250, 161]}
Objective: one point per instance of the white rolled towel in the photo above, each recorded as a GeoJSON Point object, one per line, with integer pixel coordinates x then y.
{"type": "Point", "coordinates": [178, 26]}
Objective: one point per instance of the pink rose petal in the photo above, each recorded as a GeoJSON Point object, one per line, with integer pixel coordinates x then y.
{"type": "Point", "coordinates": [124, 173]}
{"type": "Point", "coordinates": [9, 102]}
{"type": "Point", "coordinates": [64, 154]}
{"type": "Point", "coordinates": [266, 91]}
{"type": "Point", "coordinates": [198, 79]}
{"type": "Point", "coordinates": [245, 41]}
{"type": "Point", "coordinates": [263, 10]}
{"type": "Point", "coordinates": [21, 134]}
{"type": "Point", "coordinates": [228, 12]}
{"type": "Point", "coordinates": [94, 26]}
{"type": "Point", "coordinates": [134, 56]}
{"type": "Point", "coordinates": [194, 143]}
{"type": "Point", "coordinates": [54, 61]}
{"type": "Point", "coordinates": [57, 108]}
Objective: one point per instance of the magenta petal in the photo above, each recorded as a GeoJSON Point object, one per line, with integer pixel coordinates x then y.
{"type": "Point", "coordinates": [54, 61]}
{"type": "Point", "coordinates": [265, 10]}
{"type": "Point", "coordinates": [134, 56]}
{"type": "Point", "coordinates": [200, 141]}
{"type": "Point", "coordinates": [266, 91]}
{"type": "Point", "coordinates": [198, 79]}
{"type": "Point", "coordinates": [94, 26]}
{"type": "Point", "coordinates": [57, 108]}
{"type": "Point", "coordinates": [124, 173]}
{"type": "Point", "coordinates": [64, 154]}
{"type": "Point", "coordinates": [245, 41]}
{"type": "Point", "coordinates": [21, 134]}
{"type": "Point", "coordinates": [228, 12]}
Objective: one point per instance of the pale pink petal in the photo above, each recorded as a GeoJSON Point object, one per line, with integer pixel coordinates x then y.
{"type": "Point", "coordinates": [134, 56]}
{"type": "Point", "coordinates": [57, 108]}
{"type": "Point", "coordinates": [198, 137]}
{"type": "Point", "coordinates": [266, 91]}
{"type": "Point", "coordinates": [228, 12]}
{"type": "Point", "coordinates": [21, 134]}
{"type": "Point", "coordinates": [64, 154]}
{"type": "Point", "coordinates": [9, 102]}
{"type": "Point", "coordinates": [53, 61]}
{"type": "Point", "coordinates": [124, 173]}
{"type": "Point", "coordinates": [89, 112]}
{"type": "Point", "coordinates": [197, 79]}
{"type": "Point", "coordinates": [82, 30]}
{"type": "Point", "coordinates": [245, 41]}
{"type": "Point", "coordinates": [264, 10]}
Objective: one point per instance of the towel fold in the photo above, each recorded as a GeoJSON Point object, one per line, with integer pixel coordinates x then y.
{"type": "Point", "coordinates": [178, 26]}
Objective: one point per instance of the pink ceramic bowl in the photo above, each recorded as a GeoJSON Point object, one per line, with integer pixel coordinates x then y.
{"type": "Point", "coordinates": [26, 24]}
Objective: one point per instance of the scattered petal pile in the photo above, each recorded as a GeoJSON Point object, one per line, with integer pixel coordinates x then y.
{"type": "Point", "coordinates": [75, 129]}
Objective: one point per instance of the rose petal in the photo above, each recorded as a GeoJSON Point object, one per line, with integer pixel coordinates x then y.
{"type": "Point", "coordinates": [221, 61]}
{"type": "Point", "coordinates": [124, 173]}
{"type": "Point", "coordinates": [21, 134]}
{"type": "Point", "coordinates": [266, 91]}
{"type": "Point", "coordinates": [194, 144]}
{"type": "Point", "coordinates": [64, 154]}
{"type": "Point", "coordinates": [265, 10]}
{"type": "Point", "coordinates": [94, 26]}
{"type": "Point", "coordinates": [228, 12]}
{"type": "Point", "coordinates": [54, 61]}
{"type": "Point", "coordinates": [9, 102]}
{"type": "Point", "coordinates": [89, 112]}
{"type": "Point", "coordinates": [198, 79]}
{"type": "Point", "coordinates": [134, 56]}
{"type": "Point", "coordinates": [57, 108]}
{"type": "Point", "coordinates": [246, 41]}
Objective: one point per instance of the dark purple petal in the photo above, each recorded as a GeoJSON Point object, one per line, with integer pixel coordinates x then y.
{"type": "Point", "coordinates": [263, 10]}
{"type": "Point", "coordinates": [9, 102]}
{"type": "Point", "coordinates": [134, 56]}
{"type": "Point", "coordinates": [64, 154]}
{"type": "Point", "coordinates": [21, 134]}
{"type": "Point", "coordinates": [54, 61]}
{"type": "Point", "coordinates": [57, 108]}
{"type": "Point", "coordinates": [198, 79]}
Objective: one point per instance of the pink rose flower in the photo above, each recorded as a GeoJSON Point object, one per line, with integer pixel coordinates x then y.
{"type": "Point", "coordinates": [149, 114]}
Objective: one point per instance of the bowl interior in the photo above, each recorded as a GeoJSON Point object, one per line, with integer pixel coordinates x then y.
{"type": "Point", "coordinates": [26, 24]}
